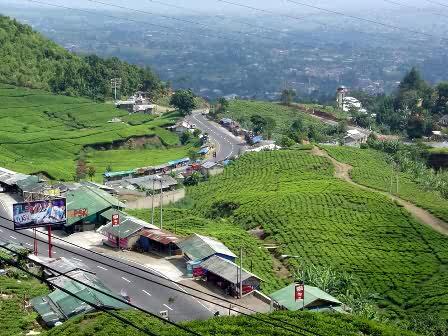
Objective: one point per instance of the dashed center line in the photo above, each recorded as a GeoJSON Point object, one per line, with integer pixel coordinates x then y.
{"type": "Point", "coordinates": [146, 292]}
{"type": "Point", "coordinates": [168, 307]}
{"type": "Point", "coordinates": [13, 237]}
{"type": "Point", "coordinates": [76, 259]}
{"type": "Point", "coordinates": [28, 244]}
{"type": "Point", "coordinates": [103, 268]}
{"type": "Point", "coordinates": [126, 279]}
{"type": "Point", "coordinates": [1, 230]}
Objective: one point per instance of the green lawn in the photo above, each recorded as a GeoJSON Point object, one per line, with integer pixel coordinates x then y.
{"type": "Point", "coordinates": [42, 132]}
{"type": "Point", "coordinates": [371, 168]}
{"type": "Point", "coordinates": [124, 159]}
{"type": "Point", "coordinates": [325, 221]}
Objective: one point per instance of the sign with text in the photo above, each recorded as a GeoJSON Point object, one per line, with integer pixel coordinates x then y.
{"type": "Point", "coordinates": [115, 219]}
{"type": "Point", "coordinates": [77, 213]}
{"type": "Point", "coordinates": [299, 292]}
{"type": "Point", "coordinates": [39, 213]}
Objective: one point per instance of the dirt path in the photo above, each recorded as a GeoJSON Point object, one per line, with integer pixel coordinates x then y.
{"type": "Point", "coordinates": [342, 171]}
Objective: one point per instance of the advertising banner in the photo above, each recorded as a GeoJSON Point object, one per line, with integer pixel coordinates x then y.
{"type": "Point", "coordinates": [39, 213]}
{"type": "Point", "coordinates": [299, 292]}
{"type": "Point", "coordinates": [115, 219]}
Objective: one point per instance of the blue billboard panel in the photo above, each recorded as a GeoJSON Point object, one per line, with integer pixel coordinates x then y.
{"type": "Point", "coordinates": [39, 213]}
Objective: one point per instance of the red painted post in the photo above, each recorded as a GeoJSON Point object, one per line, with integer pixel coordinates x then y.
{"type": "Point", "coordinates": [49, 240]}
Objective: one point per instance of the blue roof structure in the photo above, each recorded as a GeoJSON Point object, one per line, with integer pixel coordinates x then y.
{"type": "Point", "coordinates": [204, 150]}
{"type": "Point", "coordinates": [257, 139]}
{"type": "Point", "coordinates": [180, 161]}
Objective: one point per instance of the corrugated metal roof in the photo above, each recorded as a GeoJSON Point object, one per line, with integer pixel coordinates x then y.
{"type": "Point", "coordinates": [163, 237]}
{"type": "Point", "coordinates": [198, 247]}
{"type": "Point", "coordinates": [58, 305]}
{"type": "Point", "coordinates": [176, 162]}
{"type": "Point", "coordinates": [226, 269]}
{"type": "Point", "coordinates": [127, 227]}
{"type": "Point", "coordinates": [286, 297]}
{"type": "Point", "coordinates": [93, 199]}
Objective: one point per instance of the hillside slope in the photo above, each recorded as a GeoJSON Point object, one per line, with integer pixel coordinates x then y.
{"type": "Point", "coordinates": [317, 323]}
{"type": "Point", "coordinates": [320, 220]}
{"type": "Point", "coordinates": [28, 59]}
{"type": "Point", "coordinates": [47, 133]}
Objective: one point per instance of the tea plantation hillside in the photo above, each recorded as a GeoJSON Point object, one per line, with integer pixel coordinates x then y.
{"type": "Point", "coordinates": [317, 323]}
{"type": "Point", "coordinates": [242, 110]}
{"type": "Point", "coordinates": [371, 168]}
{"type": "Point", "coordinates": [46, 133]}
{"type": "Point", "coordinates": [321, 220]}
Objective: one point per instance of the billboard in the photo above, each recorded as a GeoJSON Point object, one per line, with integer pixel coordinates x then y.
{"type": "Point", "coordinates": [39, 213]}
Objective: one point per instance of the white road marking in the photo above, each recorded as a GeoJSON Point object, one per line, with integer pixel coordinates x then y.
{"type": "Point", "coordinates": [168, 307]}
{"type": "Point", "coordinates": [126, 279]}
{"type": "Point", "coordinates": [1, 230]}
{"type": "Point", "coordinates": [181, 288]}
{"type": "Point", "coordinates": [28, 244]}
{"type": "Point", "coordinates": [105, 269]}
{"type": "Point", "coordinates": [146, 292]}
{"type": "Point", "coordinates": [203, 305]}
{"type": "Point", "coordinates": [13, 237]}
{"type": "Point", "coordinates": [76, 259]}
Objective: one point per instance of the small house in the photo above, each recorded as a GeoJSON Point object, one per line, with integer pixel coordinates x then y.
{"type": "Point", "coordinates": [355, 137]}
{"type": "Point", "coordinates": [58, 306]}
{"type": "Point", "coordinates": [226, 275]}
{"type": "Point", "coordinates": [443, 121]}
{"type": "Point", "coordinates": [314, 299]}
{"type": "Point", "coordinates": [199, 248]}
{"type": "Point", "coordinates": [126, 233]}
{"type": "Point", "coordinates": [211, 168]}
{"type": "Point", "coordinates": [159, 241]}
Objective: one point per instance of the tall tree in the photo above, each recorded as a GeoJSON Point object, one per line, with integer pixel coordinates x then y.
{"type": "Point", "coordinates": [287, 96]}
{"type": "Point", "coordinates": [184, 101]}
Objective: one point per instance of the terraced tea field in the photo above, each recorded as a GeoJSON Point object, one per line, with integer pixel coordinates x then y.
{"type": "Point", "coordinates": [41, 132]}
{"type": "Point", "coordinates": [371, 168]}
{"type": "Point", "coordinates": [322, 220]}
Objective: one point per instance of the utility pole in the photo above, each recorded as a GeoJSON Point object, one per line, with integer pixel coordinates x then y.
{"type": "Point", "coordinates": [116, 84]}
{"type": "Point", "coordinates": [152, 200]}
{"type": "Point", "coordinates": [241, 272]}
{"type": "Point", "coordinates": [161, 205]}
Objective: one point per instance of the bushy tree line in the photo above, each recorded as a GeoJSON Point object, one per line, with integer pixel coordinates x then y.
{"type": "Point", "coordinates": [412, 159]}
{"type": "Point", "coordinates": [28, 59]}
{"type": "Point", "coordinates": [412, 110]}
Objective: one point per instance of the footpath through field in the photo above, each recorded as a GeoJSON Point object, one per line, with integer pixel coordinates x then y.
{"type": "Point", "coordinates": [342, 171]}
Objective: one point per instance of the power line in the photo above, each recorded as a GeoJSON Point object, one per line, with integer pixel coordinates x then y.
{"type": "Point", "coordinates": [100, 308]}
{"type": "Point", "coordinates": [221, 18]}
{"type": "Point", "coordinates": [166, 286]}
{"type": "Point", "coordinates": [437, 3]}
{"type": "Point", "coordinates": [383, 24]}
{"type": "Point", "coordinates": [413, 7]}
{"type": "Point", "coordinates": [174, 18]}
{"type": "Point", "coordinates": [182, 31]}
{"type": "Point", "coordinates": [107, 294]}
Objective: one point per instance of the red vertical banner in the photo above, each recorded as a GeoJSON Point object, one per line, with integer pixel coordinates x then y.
{"type": "Point", "coordinates": [299, 292]}
{"type": "Point", "coordinates": [115, 219]}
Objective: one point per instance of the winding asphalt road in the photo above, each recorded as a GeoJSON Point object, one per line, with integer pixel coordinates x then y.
{"type": "Point", "coordinates": [145, 294]}
{"type": "Point", "coordinates": [227, 145]}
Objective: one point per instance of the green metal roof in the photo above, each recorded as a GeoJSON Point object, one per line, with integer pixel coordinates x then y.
{"type": "Point", "coordinates": [93, 199]}
{"type": "Point", "coordinates": [198, 247]}
{"type": "Point", "coordinates": [286, 297]}
{"type": "Point", "coordinates": [128, 225]}
{"type": "Point", "coordinates": [58, 305]}
{"type": "Point", "coordinates": [108, 214]}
